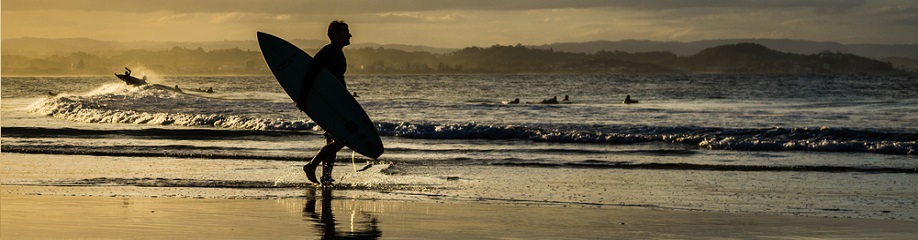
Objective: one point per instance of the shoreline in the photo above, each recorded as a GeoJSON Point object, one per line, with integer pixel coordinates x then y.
{"type": "Point", "coordinates": [77, 196]}
{"type": "Point", "coordinates": [813, 194]}
{"type": "Point", "coordinates": [268, 74]}
{"type": "Point", "coordinates": [42, 217]}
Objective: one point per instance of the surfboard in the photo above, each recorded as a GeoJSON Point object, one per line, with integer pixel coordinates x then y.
{"type": "Point", "coordinates": [328, 103]}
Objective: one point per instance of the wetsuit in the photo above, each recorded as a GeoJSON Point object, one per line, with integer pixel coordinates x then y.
{"type": "Point", "coordinates": [329, 57]}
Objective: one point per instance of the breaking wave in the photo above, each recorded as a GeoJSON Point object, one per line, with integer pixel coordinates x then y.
{"type": "Point", "coordinates": [161, 105]}
{"type": "Point", "coordinates": [769, 139]}
{"type": "Point", "coordinates": [145, 105]}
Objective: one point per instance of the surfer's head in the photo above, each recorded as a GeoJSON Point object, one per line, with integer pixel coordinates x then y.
{"type": "Point", "coordinates": [338, 33]}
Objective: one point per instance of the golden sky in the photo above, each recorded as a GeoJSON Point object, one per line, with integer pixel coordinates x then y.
{"type": "Point", "coordinates": [466, 23]}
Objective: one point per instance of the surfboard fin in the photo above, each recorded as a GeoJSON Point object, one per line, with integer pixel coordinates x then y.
{"type": "Point", "coordinates": [368, 166]}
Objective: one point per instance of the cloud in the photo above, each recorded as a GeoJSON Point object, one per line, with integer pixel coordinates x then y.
{"type": "Point", "coordinates": [282, 17]}
{"type": "Point", "coordinates": [898, 14]}
{"type": "Point", "coordinates": [418, 16]}
{"type": "Point", "coordinates": [474, 22]}
{"type": "Point", "coordinates": [226, 17]}
{"type": "Point", "coordinates": [175, 17]}
{"type": "Point", "coordinates": [375, 6]}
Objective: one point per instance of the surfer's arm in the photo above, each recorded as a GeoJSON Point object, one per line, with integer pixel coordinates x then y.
{"type": "Point", "coordinates": [315, 66]}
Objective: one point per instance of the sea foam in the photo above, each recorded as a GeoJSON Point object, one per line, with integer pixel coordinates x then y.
{"type": "Point", "coordinates": [155, 105]}
{"type": "Point", "coordinates": [161, 105]}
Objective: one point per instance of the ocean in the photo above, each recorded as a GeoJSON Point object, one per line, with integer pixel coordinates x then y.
{"type": "Point", "coordinates": [817, 145]}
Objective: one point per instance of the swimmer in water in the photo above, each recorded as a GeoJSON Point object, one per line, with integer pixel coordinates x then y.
{"type": "Point", "coordinates": [553, 100]}
{"type": "Point", "coordinates": [628, 100]}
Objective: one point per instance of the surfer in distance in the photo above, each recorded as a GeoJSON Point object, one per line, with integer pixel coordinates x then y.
{"type": "Point", "coordinates": [330, 57]}
{"type": "Point", "coordinates": [553, 100]}
{"type": "Point", "coordinates": [131, 80]}
{"type": "Point", "coordinates": [628, 100]}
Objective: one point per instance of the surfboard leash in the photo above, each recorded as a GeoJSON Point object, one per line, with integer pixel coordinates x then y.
{"type": "Point", "coordinates": [352, 161]}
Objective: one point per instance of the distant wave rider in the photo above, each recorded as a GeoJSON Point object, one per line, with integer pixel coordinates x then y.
{"type": "Point", "coordinates": [628, 100]}
{"type": "Point", "coordinates": [131, 80]}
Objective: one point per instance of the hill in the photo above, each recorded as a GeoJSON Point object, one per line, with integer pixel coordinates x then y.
{"type": "Point", "coordinates": [875, 51]}
{"type": "Point", "coordinates": [43, 47]}
{"type": "Point", "coordinates": [755, 58]}
{"type": "Point", "coordinates": [731, 58]}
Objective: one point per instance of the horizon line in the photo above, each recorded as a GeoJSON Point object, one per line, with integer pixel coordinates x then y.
{"type": "Point", "coordinates": [494, 44]}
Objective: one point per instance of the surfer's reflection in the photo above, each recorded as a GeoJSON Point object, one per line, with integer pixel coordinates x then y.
{"type": "Point", "coordinates": [325, 221]}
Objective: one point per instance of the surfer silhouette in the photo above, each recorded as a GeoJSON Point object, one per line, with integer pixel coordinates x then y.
{"type": "Point", "coordinates": [553, 100]}
{"type": "Point", "coordinates": [128, 72]}
{"type": "Point", "coordinates": [628, 100]}
{"type": "Point", "coordinates": [330, 57]}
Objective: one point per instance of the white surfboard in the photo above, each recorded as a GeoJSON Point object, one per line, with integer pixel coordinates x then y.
{"type": "Point", "coordinates": [329, 104]}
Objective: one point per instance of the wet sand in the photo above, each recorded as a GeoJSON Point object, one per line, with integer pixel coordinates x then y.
{"type": "Point", "coordinates": [98, 197]}
{"type": "Point", "coordinates": [323, 215]}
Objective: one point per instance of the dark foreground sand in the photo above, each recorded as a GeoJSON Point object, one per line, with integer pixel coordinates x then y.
{"type": "Point", "coordinates": [93, 197]}
{"type": "Point", "coordinates": [324, 215]}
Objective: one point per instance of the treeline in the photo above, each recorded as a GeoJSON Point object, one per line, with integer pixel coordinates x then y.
{"type": "Point", "coordinates": [734, 58]}
{"type": "Point", "coordinates": [176, 61]}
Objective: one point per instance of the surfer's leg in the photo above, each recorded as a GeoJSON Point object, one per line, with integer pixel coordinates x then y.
{"type": "Point", "coordinates": [327, 166]}
{"type": "Point", "coordinates": [328, 163]}
{"type": "Point", "coordinates": [326, 154]}
{"type": "Point", "coordinates": [310, 169]}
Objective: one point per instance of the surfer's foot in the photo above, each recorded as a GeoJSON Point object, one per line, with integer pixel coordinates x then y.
{"type": "Point", "coordinates": [310, 170]}
{"type": "Point", "coordinates": [327, 182]}
{"type": "Point", "coordinates": [327, 172]}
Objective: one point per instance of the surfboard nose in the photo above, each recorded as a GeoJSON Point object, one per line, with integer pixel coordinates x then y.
{"type": "Point", "coordinates": [262, 35]}
{"type": "Point", "coordinates": [265, 39]}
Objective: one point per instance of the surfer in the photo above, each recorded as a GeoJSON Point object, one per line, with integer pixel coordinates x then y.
{"type": "Point", "coordinates": [330, 57]}
{"type": "Point", "coordinates": [628, 100]}
{"type": "Point", "coordinates": [131, 80]}
{"type": "Point", "coordinates": [553, 100]}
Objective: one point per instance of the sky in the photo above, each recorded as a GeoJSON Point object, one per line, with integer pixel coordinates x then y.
{"type": "Point", "coordinates": [457, 24]}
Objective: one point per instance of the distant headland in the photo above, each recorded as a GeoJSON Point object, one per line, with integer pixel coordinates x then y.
{"type": "Point", "coordinates": [36, 56]}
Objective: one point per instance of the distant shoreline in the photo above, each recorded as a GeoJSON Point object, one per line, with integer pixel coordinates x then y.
{"type": "Point", "coordinates": [733, 58]}
{"type": "Point", "coordinates": [452, 74]}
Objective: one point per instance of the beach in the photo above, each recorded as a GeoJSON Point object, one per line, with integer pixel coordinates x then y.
{"type": "Point", "coordinates": [102, 160]}
{"type": "Point", "coordinates": [69, 217]}
{"type": "Point", "coordinates": [243, 209]}
{"type": "Point", "coordinates": [290, 119]}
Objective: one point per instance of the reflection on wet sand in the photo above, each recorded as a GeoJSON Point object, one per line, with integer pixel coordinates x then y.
{"type": "Point", "coordinates": [325, 221]}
